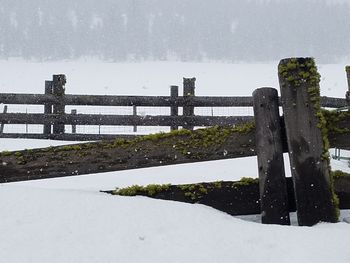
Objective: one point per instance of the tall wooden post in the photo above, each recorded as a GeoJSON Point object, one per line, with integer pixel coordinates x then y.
{"type": "Point", "coordinates": [48, 106]}
{"type": "Point", "coordinates": [188, 91]}
{"type": "Point", "coordinates": [272, 182]}
{"type": "Point", "coordinates": [2, 125]}
{"type": "Point", "coordinates": [59, 82]}
{"type": "Point", "coordinates": [307, 141]}
{"type": "Point", "coordinates": [174, 110]}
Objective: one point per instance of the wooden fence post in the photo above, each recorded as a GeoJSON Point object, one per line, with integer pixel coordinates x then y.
{"type": "Point", "coordinates": [2, 125]}
{"type": "Point", "coordinates": [74, 127]}
{"type": "Point", "coordinates": [347, 69]}
{"type": "Point", "coordinates": [174, 110]}
{"type": "Point", "coordinates": [188, 91]}
{"type": "Point", "coordinates": [48, 106]}
{"type": "Point", "coordinates": [307, 141]}
{"type": "Point", "coordinates": [272, 182]}
{"type": "Point", "coordinates": [58, 108]}
{"type": "Point", "coordinates": [134, 113]}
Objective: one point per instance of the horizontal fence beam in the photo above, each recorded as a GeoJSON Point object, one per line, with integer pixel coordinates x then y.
{"type": "Point", "coordinates": [150, 151]}
{"type": "Point", "coordinates": [123, 120]}
{"type": "Point", "coordinates": [329, 102]}
{"type": "Point", "coordinates": [68, 136]}
{"type": "Point", "coordinates": [146, 101]}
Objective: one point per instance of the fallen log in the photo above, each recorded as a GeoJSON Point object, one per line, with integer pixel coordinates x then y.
{"type": "Point", "coordinates": [177, 147]}
{"type": "Point", "coordinates": [235, 198]}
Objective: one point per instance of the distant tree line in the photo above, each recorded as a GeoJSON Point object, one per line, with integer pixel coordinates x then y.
{"type": "Point", "coordinates": [225, 30]}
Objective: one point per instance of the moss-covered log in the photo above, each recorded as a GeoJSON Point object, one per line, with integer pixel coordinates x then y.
{"type": "Point", "coordinates": [148, 151]}
{"type": "Point", "coordinates": [234, 198]}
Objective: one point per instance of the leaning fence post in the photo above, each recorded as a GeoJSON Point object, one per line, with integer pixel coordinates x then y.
{"type": "Point", "coordinates": [174, 110]}
{"type": "Point", "coordinates": [2, 125]}
{"type": "Point", "coordinates": [188, 91]}
{"type": "Point", "coordinates": [272, 182]}
{"type": "Point", "coordinates": [48, 106]}
{"type": "Point", "coordinates": [58, 108]}
{"type": "Point", "coordinates": [307, 141]}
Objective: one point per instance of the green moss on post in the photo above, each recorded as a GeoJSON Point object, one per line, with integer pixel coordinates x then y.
{"type": "Point", "coordinates": [307, 137]}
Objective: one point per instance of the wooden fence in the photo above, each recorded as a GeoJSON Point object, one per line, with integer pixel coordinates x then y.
{"type": "Point", "coordinates": [55, 118]}
{"type": "Point", "coordinates": [305, 131]}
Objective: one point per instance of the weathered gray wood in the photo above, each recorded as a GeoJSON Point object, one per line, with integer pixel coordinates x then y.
{"type": "Point", "coordinates": [347, 95]}
{"type": "Point", "coordinates": [299, 83]}
{"type": "Point", "coordinates": [48, 106]}
{"type": "Point", "coordinates": [164, 149]}
{"type": "Point", "coordinates": [146, 101]}
{"type": "Point", "coordinates": [124, 120]}
{"type": "Point", "coordinates": [174, 110]}
{"type": "Point", "coordinates": [69, 136]}
{"type": "Point", "coordinates": [74, 126]}
{"type": "Point", "coordinates": [134, 113]}
{"type": "Point", "coordinates": [329, 102]}
{"type": "Point", "coordinates": [58, 91]}
{"type": "Point", "coordinates": [188, 92]}
{"type": "Point", "coordinates": [272, 183]}
{"type": "Point", "coordinates": [2, 124]}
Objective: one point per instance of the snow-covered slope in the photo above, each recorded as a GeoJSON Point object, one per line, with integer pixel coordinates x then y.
{"type": "Point", "coordinates": [42, 225]}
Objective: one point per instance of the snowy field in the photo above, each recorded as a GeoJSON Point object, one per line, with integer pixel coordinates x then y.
{"type": "Point", "coordinates": [68, 220]}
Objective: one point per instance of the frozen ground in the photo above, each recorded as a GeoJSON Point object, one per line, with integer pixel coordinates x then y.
{"type": "Point", "coordinates": [68, 220]}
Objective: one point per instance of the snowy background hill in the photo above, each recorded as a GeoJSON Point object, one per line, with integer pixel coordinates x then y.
{"type": "Point", "coordinates": [186, 30]}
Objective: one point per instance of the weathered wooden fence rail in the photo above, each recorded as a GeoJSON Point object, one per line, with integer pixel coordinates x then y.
{"type": "Point", "coordinates": [146, 101]}
{"type": "Point", "coordinates": [124, 120]}
{"type": "Point", "coordinates": [54, 117]}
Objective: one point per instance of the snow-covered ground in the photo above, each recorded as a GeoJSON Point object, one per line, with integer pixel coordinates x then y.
{"type": "Point", "coordinates": [69, 220]}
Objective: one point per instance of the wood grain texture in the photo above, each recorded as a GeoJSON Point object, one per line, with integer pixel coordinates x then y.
{"type": "Point", "coordinates": [269, 149]}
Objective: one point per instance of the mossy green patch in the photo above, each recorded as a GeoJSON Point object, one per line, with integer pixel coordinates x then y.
{"type": "Point", "coordinates": [245, 181]}
{"type": "Point", "coordinates": [18, 154]}
{"type": "Point", "coordinates": [194, 191]}
{"type": "Point", "coordinates": [149, 190]}
{"type": "Point", "coordinates": [340, 174]}
{"type": "Point", "coordinates": [6, 153]}
{"type": "Point", "coordinates": [185, 141]}
{"type": "Point", "coordinates": [334, 118]}
{"type": "Point", "coordinates": [299, 70]}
